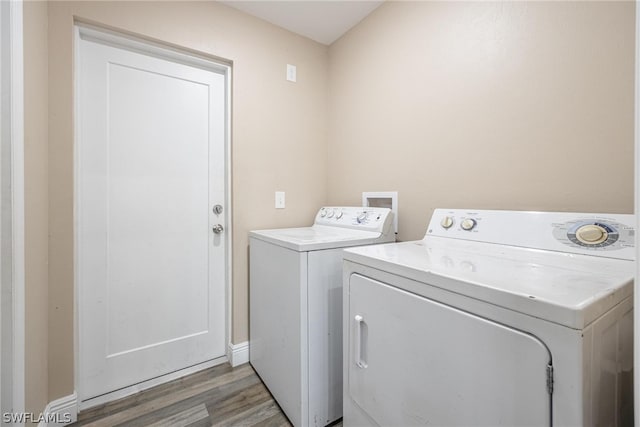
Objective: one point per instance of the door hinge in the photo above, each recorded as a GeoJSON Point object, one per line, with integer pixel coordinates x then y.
{"type": "Point", "coordinates": [550, 379]}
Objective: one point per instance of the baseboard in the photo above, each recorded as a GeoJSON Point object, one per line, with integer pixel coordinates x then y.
{"type": "Point", "coordinates": [239, 353]}
{"type": "Point", "coordinates": [60, 412]}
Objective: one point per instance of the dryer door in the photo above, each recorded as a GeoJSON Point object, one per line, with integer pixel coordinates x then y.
{"type": "Point", "coordinates": [413, 361]}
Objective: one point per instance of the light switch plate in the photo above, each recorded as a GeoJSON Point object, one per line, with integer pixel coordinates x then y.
{"type": "Point", "coordinates": [279, 199]}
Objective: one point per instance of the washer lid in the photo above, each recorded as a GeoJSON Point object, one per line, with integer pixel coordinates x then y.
{"type": "Point", "coordinates": [319, 237]}
{"type": "Point", "coordinates": [568, 289]}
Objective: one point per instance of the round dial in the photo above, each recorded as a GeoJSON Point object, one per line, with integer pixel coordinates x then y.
{"type": "Point", "coordinates": [331, 213]}
{"type": "Point", "coordinates": [591, 234]}
{"type": "Point", "coordinates": [446, 222]}
{"type": "Point", "coordinates": [361, 217]}
{"type": "Point", "coordinates": [339, 214]}
{"type": "Point", "coordinates": [468, 224]}
{"type": "Point", "coordinates": [323, 212]}
{"type": "Point", "coordinates": [598, 234]}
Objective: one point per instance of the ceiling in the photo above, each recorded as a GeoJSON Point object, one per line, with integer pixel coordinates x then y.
{"type": "Point", "coordinates": [324, 21]}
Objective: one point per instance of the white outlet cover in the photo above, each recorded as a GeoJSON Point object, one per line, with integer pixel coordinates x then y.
{"type": "Point", "coordinates": [279, 199]}
{"type": "Point", "coordinates": [291, 73]}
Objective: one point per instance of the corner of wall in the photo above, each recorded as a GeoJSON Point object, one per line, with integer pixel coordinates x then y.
{"type": "Point", "coordinates": [35, 20]}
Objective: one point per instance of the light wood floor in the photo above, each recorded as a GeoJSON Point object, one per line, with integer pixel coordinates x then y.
{"type": "Point", "coordinates": [219, 396]}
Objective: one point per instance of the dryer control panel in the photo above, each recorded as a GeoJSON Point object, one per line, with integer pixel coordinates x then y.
{"type": "Point", "coordinates": [608, 235]}
{"type": "Point", "coordinates": [597, 234]}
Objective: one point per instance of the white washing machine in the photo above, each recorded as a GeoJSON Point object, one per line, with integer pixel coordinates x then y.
{"type": "Point", "coordinates": [495, 318]}
{"type": "Point", "coordinates": [295, 304]}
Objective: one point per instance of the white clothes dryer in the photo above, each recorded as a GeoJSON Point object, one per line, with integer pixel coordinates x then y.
{"type": "Point", "coordinates": [495, 318]}
{"type": "Point", "coordinates": [295, 308]}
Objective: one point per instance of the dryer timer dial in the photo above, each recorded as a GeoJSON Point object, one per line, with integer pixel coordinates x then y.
{"type": "Point", "coordinates": [591, 234]}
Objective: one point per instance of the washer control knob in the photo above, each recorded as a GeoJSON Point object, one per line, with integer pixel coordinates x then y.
{"type": "Point", "coordinates": [339, 214]}
{"type": "Point", "coordinates": [323, 212]}
{"type": "Point", "coordinates": [591, 234]}
{"type": "Point", "coordinates": [331, 213]}
{"type": "Point", "coordinates": [468, 224]}
{"type": "Point", "coordinates": [446, 222]}
{"type": "Point", "coordinates": [361, 217]}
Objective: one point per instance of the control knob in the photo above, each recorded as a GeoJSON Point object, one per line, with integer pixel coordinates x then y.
{"type": "Point", "coordinates": [468, 224]}
{"type": "Point", "coordinates": [591, 234]}
{"type": "Point", "coordinates": [339, 214]}
{"type": "Point", "coordinates": [323, 212]}
{"type": "Point", "coordinates": [331, 213]}
{"type": "Point", "coordinates": [361, 217]}
{"type": "Point", "coordinates": [446, 222]}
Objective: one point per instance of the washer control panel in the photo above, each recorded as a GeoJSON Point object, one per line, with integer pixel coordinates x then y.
{"type": "Point", "coordinates": [609, 235]}
{"type": "Point", "coordinates": [369, 219]}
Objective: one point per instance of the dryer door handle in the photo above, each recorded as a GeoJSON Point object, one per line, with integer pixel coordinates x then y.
{"type": "Point", "coordinates": [360, 342]}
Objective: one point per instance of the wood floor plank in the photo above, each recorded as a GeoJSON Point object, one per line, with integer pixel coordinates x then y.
{"type": "Point", "coordinates": [208, 397]}
{"type": "Point", "coordinates": [106, 409]}
{"type": "Point", "coordinates": [251, 416]}
{"type": "Point", "coordinates": [202, 423]}
{"type": "Point", "coordinates": [166, 400]}
{"type": "Point", "coordinates": [239, 402]}
{"type": "Point", "coordinates": [184, 418]}
{"type": "Point", "coordinates": [278, 420]}
{"type": "Point", "coordinates": [220, 396]}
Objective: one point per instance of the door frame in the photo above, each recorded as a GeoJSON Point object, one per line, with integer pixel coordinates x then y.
{"type": "Point", "coordinates": [636, 290]}
{"type": "Point", "coordinates": [159, 49]}
{"type": "Point", "coordinates": [12, 354]}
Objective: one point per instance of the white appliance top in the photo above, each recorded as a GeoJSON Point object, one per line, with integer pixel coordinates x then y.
{"type": "Point", "coordinates": [335, 227]}
{"type": "Point", "coordinates": [528, 262]}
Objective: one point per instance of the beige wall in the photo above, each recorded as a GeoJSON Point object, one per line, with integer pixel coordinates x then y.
{"type": "Point", "coordinates": [36, 203]}
{"type": "Point", "coordinates": [278, 136]}
{"type": "Point", "coordinates": [516, 105]}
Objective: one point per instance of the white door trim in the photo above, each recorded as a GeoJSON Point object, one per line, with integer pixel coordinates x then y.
{"type": "Point", "coordinates": [636, 292]}
{"type": "Point", "coordinates": [83, 31]}
{"type": "Point", "coordinates": [12, 203]}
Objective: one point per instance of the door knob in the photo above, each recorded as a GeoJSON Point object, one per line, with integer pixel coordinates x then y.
{"type": "Point", "coordinates": [218, 228]}
{"type": "Point", "coordinates": [217, 209]}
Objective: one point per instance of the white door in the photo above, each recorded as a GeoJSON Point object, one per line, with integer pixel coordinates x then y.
{"type": "Point", "coordinates": [150, 167]}
{"type": "Point", "coordinates": [413, 361]}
